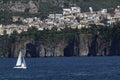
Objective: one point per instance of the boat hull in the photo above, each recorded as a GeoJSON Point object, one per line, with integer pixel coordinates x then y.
{"type": "Point", "coordinates": [17, 67]}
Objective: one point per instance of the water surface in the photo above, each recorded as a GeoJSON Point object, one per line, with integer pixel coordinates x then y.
{"type": "Point", "coordinates": [62, 68]}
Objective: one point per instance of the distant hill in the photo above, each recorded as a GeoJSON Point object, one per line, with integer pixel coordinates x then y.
{"type": "Point", "coordinates": [50, 5]}
{"type": "Point", "coordinates": [44, 7]}
{"type": "Point", "coordinates": [97, 4]}
{"type": "Point", "coordinates": [84, 4]}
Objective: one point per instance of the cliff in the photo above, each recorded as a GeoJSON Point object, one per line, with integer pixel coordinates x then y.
{"type": "Point", "coordinates": [81, 45]}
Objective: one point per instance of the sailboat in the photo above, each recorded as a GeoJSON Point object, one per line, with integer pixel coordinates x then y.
{"type": "Point", "coordinates": [20, 62]}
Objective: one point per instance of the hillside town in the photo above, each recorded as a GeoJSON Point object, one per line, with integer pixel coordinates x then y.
{"type": "Point", "coordinates": [71, 17]}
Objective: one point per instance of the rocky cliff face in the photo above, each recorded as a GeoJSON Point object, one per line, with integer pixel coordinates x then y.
{"type": "Point", "coordinates": [85, 42]}
{"type": "Point", "coordinates": [78, 45]}
{"type": "Point", "coordinates": [51, 49]}
{"type": "Point", "coordinates": [31, 48]}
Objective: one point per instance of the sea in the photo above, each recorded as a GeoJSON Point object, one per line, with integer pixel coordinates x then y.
{"type": "Point", "coordinates": [62, 68]}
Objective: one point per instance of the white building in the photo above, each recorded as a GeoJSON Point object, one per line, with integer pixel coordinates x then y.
{"type": "Point", "coordinates": [55, 16]}
{"type": "Point", "coordinates": [104, 11]}
{"type": "Point", "coordinates": [51, 16]}
{"type": "Point", "coordinates": [66, 11]}
{"type": "Point", "coordinates": [75, 10]}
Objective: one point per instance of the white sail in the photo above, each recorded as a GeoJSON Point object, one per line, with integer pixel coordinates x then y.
{"type": "Point", "coordinates": [19, 60]}
{"type": "Point", "coordinates": [23, 63]}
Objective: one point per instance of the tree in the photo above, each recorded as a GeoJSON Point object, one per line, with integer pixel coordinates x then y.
{"type": "Point", "coordinates": [14, 36]}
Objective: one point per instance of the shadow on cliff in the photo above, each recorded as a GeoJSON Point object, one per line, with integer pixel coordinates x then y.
{"type": "Point", "coordinates": [115, 46]}
{"type": "Point", "coordinates": [93, 46]}
{"type": "Point", "coordinates": [72, 49]}
{"type": "Point", "coordinates": [69, 49]}
{"type": "Point", "coordinates": [115, 41]}
{"type": "Point", "coordinates": [31, 50]}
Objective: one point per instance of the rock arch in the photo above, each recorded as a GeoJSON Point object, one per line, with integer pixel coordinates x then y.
{"type": "Point", "coordinates": [22, 45]}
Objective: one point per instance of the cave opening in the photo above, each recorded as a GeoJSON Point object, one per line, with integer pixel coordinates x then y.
{"type": "Point", "coordinates": [31, 50]}
{"type": "Point", "coordinates": [72, 49]}
{"type": "Point", "coordinates": [69, 49]}
{"type": "Point", "coordinates": [115, 47]}
{"type": "Point", "coordinates": [93, 48]}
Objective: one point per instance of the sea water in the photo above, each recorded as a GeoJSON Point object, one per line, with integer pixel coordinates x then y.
{"type": "Point", "coordinates": [62, 68]}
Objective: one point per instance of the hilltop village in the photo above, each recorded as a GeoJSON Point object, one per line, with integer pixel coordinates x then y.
{"type": "Point", "coordinates": [70, 17]}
